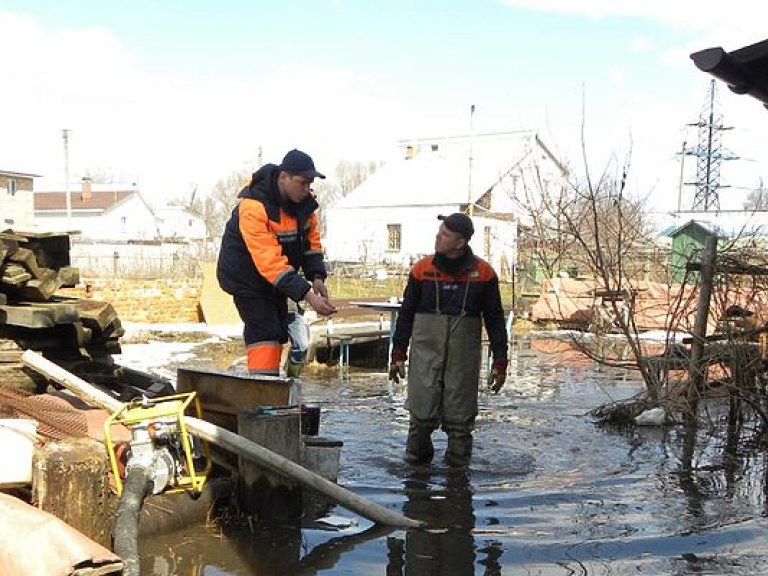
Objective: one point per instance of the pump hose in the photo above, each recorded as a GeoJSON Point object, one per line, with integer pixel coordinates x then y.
{"type": "Point", "coordinates": [135, 488]}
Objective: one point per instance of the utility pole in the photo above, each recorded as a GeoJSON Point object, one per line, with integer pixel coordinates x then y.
{"type": "Point", "coordinates": [470, 201]}
{"type": "Point", "coordinates": [67, 198]}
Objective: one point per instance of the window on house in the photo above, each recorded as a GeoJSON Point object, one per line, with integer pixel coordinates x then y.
{"type": "Point", "coordinates": [10, 186]}
{"type": "Point", "coordinates": [487, 242]}
{"type": "Point", "coordinates": [394, 236]}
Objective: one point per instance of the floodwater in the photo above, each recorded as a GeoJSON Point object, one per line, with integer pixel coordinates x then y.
{"type": "Point", "coordinates": [549, 492]}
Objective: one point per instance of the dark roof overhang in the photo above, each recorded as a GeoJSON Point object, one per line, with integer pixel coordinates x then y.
{"type": "Point", "coordinates": [745, 70]}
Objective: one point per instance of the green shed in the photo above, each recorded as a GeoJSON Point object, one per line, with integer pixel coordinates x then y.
{"type": "Point", "coordinates": [688, 242]}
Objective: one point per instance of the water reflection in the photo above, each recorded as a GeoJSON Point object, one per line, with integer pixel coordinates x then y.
{"type": "Point", "coordinates": [447, 546]}
{"type": "Point", "coordinates": [549, 493]}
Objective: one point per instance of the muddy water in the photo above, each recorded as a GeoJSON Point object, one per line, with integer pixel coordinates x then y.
{"type": "Point", "coordinates": [548, 492]}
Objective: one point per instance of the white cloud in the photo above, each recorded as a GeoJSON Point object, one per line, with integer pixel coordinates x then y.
{"type": "Point", "coordinates": [165, 132]}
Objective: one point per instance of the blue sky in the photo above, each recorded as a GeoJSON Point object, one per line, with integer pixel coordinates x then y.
{"type": "Point", "coordinates": [175, 94]}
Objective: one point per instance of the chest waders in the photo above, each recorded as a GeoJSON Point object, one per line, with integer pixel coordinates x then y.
{"type": "Point", "coordinates": [443, 376]}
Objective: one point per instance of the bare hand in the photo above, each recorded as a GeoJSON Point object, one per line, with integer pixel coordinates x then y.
{"type": "Point", "coordinates": [319, 304]}
{"type": "Point", "coordinates": [319, 288]}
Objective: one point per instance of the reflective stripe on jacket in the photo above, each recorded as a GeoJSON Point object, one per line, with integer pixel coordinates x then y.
{"type": "Point", "coordinates": [267, 241]}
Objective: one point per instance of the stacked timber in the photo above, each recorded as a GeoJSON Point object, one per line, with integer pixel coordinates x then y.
{"type": "Point", "coordinates": [33, 266]}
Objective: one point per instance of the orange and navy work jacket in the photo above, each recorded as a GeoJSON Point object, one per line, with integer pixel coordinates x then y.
{"type": "Point", "coordinates": [464, 286]}
{"type": "Point", "coordinates": [266, 242]}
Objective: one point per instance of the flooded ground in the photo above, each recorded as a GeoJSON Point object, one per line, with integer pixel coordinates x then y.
{"type": "Point", "coordinates": [548, 493]}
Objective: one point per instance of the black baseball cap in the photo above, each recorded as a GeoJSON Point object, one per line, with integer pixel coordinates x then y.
{"type": "Point", "coordinates": [298, 162]}
{"type": "Point", "coordinates": [459, 223]}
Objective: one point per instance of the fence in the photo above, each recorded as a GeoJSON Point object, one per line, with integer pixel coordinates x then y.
{"type": "Point", "coordinates": [138, 260]}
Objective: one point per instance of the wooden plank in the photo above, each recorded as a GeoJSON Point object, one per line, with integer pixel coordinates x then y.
{"type": "Point", "coordinates": [11, 236]}
{"type": "Point", "coordinates": [28, 316]}
{"type": "Point", "coordinates": [104, 570]}
{"type": "Point", "coordinates": [96, 314]}
{"type": "Point", "coordinates": [7, 356]}
{"type": "Point", "coordinates": [27, 258]}
{"type": "Point", "coordinates": [15, 275]}
{"type": "Point", "coordinates": [41, 288]}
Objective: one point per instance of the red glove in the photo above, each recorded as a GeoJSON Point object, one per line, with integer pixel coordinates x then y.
{"type": "Point", "coordinates": [397, 365]}
{"type": "Point", "coordinates": [498, 374]}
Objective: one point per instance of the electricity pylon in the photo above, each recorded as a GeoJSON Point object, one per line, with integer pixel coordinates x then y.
{"type": "Point", "coordinates": [709, 154]}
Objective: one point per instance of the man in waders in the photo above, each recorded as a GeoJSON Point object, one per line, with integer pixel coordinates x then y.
{"type": "Point", "coordinates": [272, 234]}
{"type": "Point", "coordinates": [448, 297]}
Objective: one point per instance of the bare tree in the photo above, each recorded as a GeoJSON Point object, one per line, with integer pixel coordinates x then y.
{"type": "Point", "coordinates": [347, 176]}
{"type": "Point", "coordinates": [215, 207]}
{"type": "Point", "coordinates": [757, 199]}
{"type": "Point", "coordinates": [351, 174]}
{"type": "Point", "coordinates": [544, 243]}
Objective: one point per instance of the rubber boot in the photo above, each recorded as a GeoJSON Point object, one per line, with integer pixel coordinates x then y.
{"type": "Point", "coordinates": [292, 369]}
{"type": "Point", "coordinates": [459, 450]}
{"type": "Point", "coordinates": [419, 448]}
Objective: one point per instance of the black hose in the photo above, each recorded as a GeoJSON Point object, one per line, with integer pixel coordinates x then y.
{"type": "Point", "coordinates": [126, 537]}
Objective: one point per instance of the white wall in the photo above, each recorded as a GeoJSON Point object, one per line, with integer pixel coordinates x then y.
{"type": "Point", "coordinates": [17, 210]}
{"type": "Point", "coordinates": [360, 234]}
{"type": "Point", "coordinates": [178, 222]}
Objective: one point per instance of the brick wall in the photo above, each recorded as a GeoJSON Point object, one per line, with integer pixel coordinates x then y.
{"type": "Point", "coordinates": [146, 301]}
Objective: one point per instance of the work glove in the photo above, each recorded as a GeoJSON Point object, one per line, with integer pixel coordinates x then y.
{"type": "Point", "coordinates": [498, 374]}
{"type": "Point", "coordinates": [397, 365]}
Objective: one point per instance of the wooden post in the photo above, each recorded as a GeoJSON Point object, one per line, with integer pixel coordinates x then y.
{"type": "Point", "coordinates": [697, 367]}
{"type": "Point", "coordinates": [70, 481]}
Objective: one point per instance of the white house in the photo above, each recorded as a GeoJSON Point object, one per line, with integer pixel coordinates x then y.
{"type": "Point", "coordinates": [115, 230]}
{"type": "Point", "coordinates": [16, 209]}
{"type": "Point", "coordinates": [391, 217]}
{"type": "Point", "coordinates": [97, 212]}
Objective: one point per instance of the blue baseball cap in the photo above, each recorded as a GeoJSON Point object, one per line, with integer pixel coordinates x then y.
{"type": "Point", "coordinates": [298, 162]}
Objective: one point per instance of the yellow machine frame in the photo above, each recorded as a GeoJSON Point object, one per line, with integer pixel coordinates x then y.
{"type": "Point", "coordinates": [153, 409]}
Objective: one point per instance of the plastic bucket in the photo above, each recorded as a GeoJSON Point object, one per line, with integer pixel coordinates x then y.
{"type": "Point", "coordinates": [17, 446]}
{"type": "Point", "coordinates": [310, 419]}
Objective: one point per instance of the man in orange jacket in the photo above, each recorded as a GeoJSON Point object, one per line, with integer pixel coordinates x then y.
{"type": "Point", "coordinates": [272, 234]}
